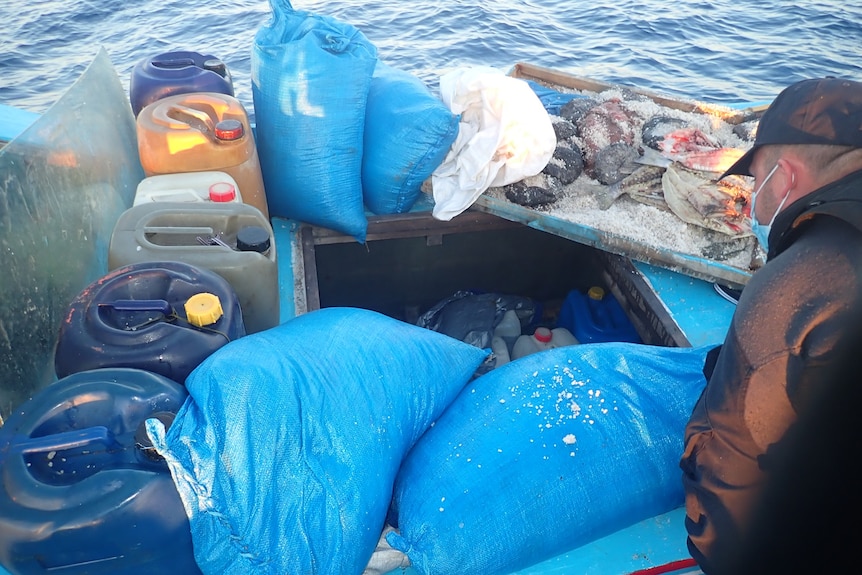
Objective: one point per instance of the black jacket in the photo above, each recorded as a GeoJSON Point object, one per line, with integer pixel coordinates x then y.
{"type": "Point", "coordinates": [789, 322]}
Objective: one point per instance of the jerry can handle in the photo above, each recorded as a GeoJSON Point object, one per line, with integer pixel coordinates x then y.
{"type": "Point", "coordinates": [158, 305]}
{"type": "Point", "coordinates": [178, 230]}
{"type": "Point", "coordinates": [98, 434]}
{"type": "Point", "coordinates": [171, 63]}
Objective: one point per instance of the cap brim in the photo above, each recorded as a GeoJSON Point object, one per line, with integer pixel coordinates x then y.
{"type": "Point", "coordinates": [742, 166]}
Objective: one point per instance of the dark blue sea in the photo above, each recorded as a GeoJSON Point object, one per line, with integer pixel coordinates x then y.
{"type": "Point", "coordinates": [720, 51]}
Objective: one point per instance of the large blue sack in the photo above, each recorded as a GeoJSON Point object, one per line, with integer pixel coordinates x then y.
{"type": "Point", "coordinates": [310, 80]}
{"type": "Point", "coordinates": [408, 132]}
{"type": "Point", "coordinates": [545, 454]}
{"type": "Point", "coordinates": [286, 451]}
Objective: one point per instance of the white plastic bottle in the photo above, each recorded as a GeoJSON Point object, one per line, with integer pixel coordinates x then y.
{"type": "Point", "coordinates": [509, 328]}
{"type": "Point", "coordinates": [501, 351]}
{"type": "Point", "coordinates": [543, 339]}
{"type": "Point", "coordinates": [188, 187]}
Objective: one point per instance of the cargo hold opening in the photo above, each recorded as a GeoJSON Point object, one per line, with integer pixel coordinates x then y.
{"type": "Point", "coordinates": [411, 262]}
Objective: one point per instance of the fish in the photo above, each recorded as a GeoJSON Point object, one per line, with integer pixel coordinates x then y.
{"type": "Point", "coordinates": [699, 199]}
{"type": "Point", "coordinates": [529, 196]}
{"type": "Point", "coordinates": [698, 151]}
{"type": "Point", "coordinates": [684, 140]}
{"type": "Point", "coordinates": [716, 160]}
{"type": "Point", "coordinates": [566, 165]}
{"type": "Point", "coordinates": [746, 130]}
{"type": "Point", "coordinates": [725, 247]}
{"type": "Point", "coordinates": [574, 109]}
{"type": "Point", "coordinates": [564, 130]}
{"type": "Point", "coordinates": [602, 125]}
{"type": "Point", "coordinates": [644, 185]}
{"type": "Point", "coordinates": [657, 127]}
{"type": "Point", "coordinates": [614, 162]}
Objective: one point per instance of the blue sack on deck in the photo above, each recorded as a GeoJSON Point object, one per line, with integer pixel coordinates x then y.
{"type": "Point", "coordinates": [408, 132]}
{"type": "Point", "coordinates": [310, 80]}
{"type": "Point", "coordinates": [545, 454]}
{"type": "Point", "coordinates": [286, 451]}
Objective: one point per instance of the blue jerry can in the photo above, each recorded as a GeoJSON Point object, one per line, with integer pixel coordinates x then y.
{"type": "Point", "coordinates": [163, 317]}
{"type": "Point", "coordinates": [81, 489]}
{"type": "Point", "coordinates": [178, 72]}
{"type": "Point", "coordinates": [595, 317]}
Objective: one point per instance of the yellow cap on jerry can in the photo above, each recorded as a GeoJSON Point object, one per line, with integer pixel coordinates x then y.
{"type": "Point", "coordinates": [596, 293]}
{"type": "Point", "coordinates": [203, 309]}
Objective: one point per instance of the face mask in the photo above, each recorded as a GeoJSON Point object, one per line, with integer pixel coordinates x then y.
{"type": "Point", "coordinates": [761, 232]}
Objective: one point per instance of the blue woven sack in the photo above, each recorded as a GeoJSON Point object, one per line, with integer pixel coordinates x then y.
{"type": "Point", "coordinates": [408, 132]}
{"type": "Point", "coordinates": [545, 454]}
{"type": "Point", "coordinates": [286, 451]}
{"type": "Point", "coordinates": [310, 80]}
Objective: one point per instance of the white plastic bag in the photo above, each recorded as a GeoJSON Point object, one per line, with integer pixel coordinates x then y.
{"type": "Point", "coordinates": [505, 136]}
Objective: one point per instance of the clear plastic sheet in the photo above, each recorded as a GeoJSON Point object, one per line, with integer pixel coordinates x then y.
{"type": "Point", "coordinates": [63, 183]}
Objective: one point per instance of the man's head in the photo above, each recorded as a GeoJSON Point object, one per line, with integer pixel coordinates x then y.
{"type": "Point", "coordinates": [823, 111]}
{"type": "Point", "coordinates": [809, 136]}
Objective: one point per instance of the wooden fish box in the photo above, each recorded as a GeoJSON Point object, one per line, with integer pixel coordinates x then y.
{"type": "Point", "coordinates": [627, 228]}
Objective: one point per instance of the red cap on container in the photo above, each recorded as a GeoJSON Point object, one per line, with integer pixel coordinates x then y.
{"type": "Point", "coordinates": [229, 130]}
{"type": "Point", "coordinates": [222, 192]}
{"type": "Point", "coordinates": [543, 334]}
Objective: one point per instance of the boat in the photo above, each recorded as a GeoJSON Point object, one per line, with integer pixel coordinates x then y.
{"type": "Point", "coordinates": [668, 296]}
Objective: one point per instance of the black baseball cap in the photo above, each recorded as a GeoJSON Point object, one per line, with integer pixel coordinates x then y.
{"type": "Point", "coordinates": [819, 111]}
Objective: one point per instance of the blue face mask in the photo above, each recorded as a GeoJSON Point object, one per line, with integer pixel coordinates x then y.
{"type": "Point", "coordinates": [760, 231]}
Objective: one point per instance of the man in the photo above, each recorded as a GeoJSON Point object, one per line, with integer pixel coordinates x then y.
{"type": "Point", "coordinates": [792, 318]}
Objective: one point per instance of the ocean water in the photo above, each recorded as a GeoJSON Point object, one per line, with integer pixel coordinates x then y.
{"type": "Point", "coordinates": [721, 51]}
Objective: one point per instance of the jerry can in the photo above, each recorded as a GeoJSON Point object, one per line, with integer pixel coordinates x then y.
{"type": "Point", "coordinates": [188, 187]}
{"type": "Point", "coordinates": [163, 317]}
{"type": "Point", "coordinates": [177, 72]}
{"type": "Point", "coordinates": [232, 239]}
{"type": "Point", "coordinates": [201, 131]}
{"type": "Point", "coordinates": [595, 317]}
{"type": "Point", "coordinates": [81, 489]}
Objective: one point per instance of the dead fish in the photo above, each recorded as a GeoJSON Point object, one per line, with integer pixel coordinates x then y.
{"type": "Point", "coordinates": [574, 109]}
{"type": "Point", "coordinates": [603, 125]}
{"type": "Point", "coordinates": [630, 95]}
{"type": "Point", "coordinates": [566, 165]}
{"type": "Point", "coordinates": [698, 151]}
{"type": "Point", "coordinates": [656, 128]}
{"type": "Point", "coordinates": [715, 161]}
{"type": "Point", "coordinates": [746, 130]}
{"type": "Point", "coordinates": [529, 196]}
{"type": "Point", "coordinates": [685, 140]}
{"type": "Point", "coordinates": [697, 198]}
{"type": "Point", "coordinates": [564, 130]}
{"type": "Point", "coordinates": [723, 248]}
{"type": "Point", "coordinates": [643, 185]}
{"type": "Point", "coordinates": [615, 162]}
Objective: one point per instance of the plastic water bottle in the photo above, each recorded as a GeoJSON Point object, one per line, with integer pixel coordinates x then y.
{"type": "Point", "coordinates": [501, 351]}
{"type": "Point", "coordinates": [509, 328]}
{"type": "Point", "coordinates": [541, 340]}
